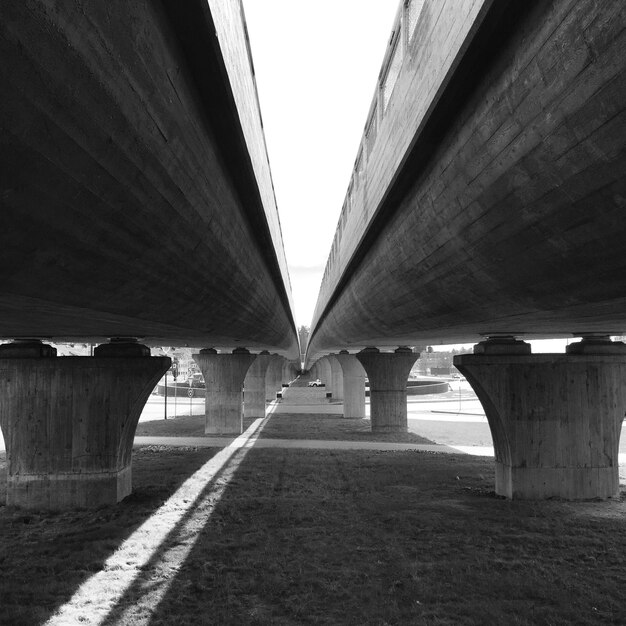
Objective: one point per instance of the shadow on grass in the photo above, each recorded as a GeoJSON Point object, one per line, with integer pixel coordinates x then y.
{"type": "Point", "coordinates": [354, 537]}
{"type": "Point", "coordinates": [331, 428]}
{"type": "Point", "coordinates": [46, 556]}
{"type": "Point", "coordinates": [185, 426]}
{"type": "Point", "coordinates": [285, 426]}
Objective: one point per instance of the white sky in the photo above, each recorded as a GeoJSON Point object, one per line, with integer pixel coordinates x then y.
{"type": "Point", "coordinates": [316, 66]}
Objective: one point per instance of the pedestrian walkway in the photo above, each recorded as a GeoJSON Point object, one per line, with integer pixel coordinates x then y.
{"type": "Point", "coordinates": [298, 399]}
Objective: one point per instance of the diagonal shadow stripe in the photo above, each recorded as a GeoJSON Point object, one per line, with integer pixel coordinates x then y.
{"type": "Point", "coordinates": [167, 536]}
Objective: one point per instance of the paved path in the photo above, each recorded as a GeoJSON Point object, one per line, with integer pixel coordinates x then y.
{"type": "Point", "coordinates": [300, 399]}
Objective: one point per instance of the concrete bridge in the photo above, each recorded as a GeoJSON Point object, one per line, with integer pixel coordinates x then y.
{"type": "Point", "coordinates": [487, 205]}
{"type": "Point", "coordinates": [137, 210]}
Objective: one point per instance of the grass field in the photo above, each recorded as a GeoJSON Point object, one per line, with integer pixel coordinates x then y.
{"type": "Point", "coordinates": [301, 426]}
{"type": "Point", "coordinates": [184, 426]}
{"type": "Point", "coordinates": [327, 537]}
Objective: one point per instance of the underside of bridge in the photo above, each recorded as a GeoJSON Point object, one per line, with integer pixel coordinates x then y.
{"type": "Point", "coordinates": [136, 194]}
{"type": "Point", "coordinates": [487, 202]}
{"type": "Point", "coordinates": [506, 213]}
{"type": "Point", "coordinates": [137, 207]}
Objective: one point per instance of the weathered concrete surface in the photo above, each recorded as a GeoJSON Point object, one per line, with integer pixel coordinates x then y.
{"type": "Point", "coordinates": [274, 377]}
{"type": "Point", "coordinates": [336, 380]}
{"type": "Point", "coordinates": [69, 423]}
{"type": "Point", "coordinates": [224, 375]}
{"type": "Point", "coordinates": [504, 212]}
{"type": "Point", "coordinates": [254, 386]}
{"type": "Point", "coordinates": [133, 165]}
{"type": "Point", "coordinates": [555, 421]}
{"type": "Point", "coordinates": [388, 373]}
{"type": "Point", "coordinates": [289, 372]}
{"type": "Point", "coordinates": [325, 373]}
{"type": "Point", "coordinates": [353, 385]}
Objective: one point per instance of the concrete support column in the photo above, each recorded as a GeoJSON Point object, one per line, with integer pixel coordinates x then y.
{"type": "Point", "coordinates": [353, 385]}
{"type": "Point", "coordinates": [273, 377]}
{"type": "Point", "coordinates": [224, 375]}
{"type": "Point", "coordinates": [325, 373]}
{"type": "Point", "coordinates": [315, 373]}
{"type": "Point", "coordinates": [69, 422]}
{"type": "Point", "coordinates": [287, 375]}
{"type": "Point", "coordinates": [336, 380]}
{"type": "Point", "coordinates": [555, 419]}
{"type": "Point", "coordinates": [254, 386]}
{"type": "Point", "coordinates": [388, 373]}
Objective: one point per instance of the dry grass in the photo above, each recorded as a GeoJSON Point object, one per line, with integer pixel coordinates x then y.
{"type": "Point", "coordinates": [338, 537]}
{"type": "Point", "coordinates": [331, 537]}
{"type": "Point", "coordinates": [397, 538]}
{"type": "Point", "coordinates": [302, 426]}
{"type": "Point", "coordinates": [45, 556]}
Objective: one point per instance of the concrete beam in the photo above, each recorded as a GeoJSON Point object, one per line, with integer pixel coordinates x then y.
{"type": "Point", "coordinates": [503, 212]}
{"type": "Point", "coordinates": [154, 159]}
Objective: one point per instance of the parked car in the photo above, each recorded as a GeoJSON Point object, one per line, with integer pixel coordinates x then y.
{"type": "Point", "coordinates": [195, 380]}
{"type": "Point", "coordinates": [315, 383]}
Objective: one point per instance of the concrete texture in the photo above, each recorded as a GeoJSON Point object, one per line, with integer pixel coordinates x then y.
{"type": "Point", "coordinates": [69, 424]}
{"type": "Point", "coordinates": [336, 381]}
{"type": "Point", "coordinates": [325, 373]}
{"type": "Point", "coordinates": [274, 377]}
{"type": "Point", "coordinates": [497, 206]}
{"type": "Point", "coordinates": [388, 373]}
{"type": "Point", "coordinates": [289, 372]}
{"type": "Point", "coordinates": [254, 386]}
{"type": "Point", "coordinates": [353, 385]}
{"type": "Point", "coordinates": [224, 375]}
{"type": "Point", "coordinates": [555, 420]}
{"type": "Point", "coordinates": [133, 166]}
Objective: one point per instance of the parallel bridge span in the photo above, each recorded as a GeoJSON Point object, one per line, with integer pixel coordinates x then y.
{"type": "Point", "coordinates": [488, 192]}
{"type": "Point", "coordinates": [137, 206]}
{"type": "Point", "coordinates": [137, 197]}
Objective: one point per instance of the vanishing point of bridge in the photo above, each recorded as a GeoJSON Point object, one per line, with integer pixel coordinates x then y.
{"type": "Point", "coordinates": [486, 205]}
